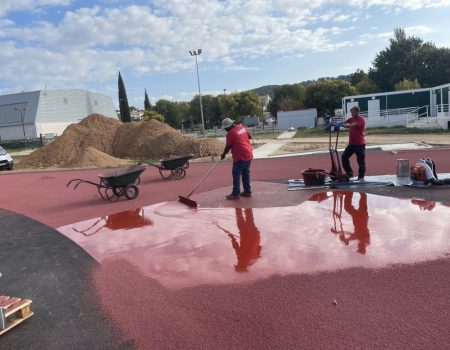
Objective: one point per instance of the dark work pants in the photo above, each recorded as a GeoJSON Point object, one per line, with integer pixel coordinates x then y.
{"type": "Point", "coordinates": [360, 151]}
{"type": "Point", "coordinates": [241, 168]}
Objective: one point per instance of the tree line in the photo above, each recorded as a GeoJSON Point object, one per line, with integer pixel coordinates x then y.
{"type": "Point", "coordinates": [407, 63]}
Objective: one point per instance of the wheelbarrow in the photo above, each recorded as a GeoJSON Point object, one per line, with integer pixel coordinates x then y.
{"type": "Point", "coordinates": [115, 184]}
{"type": "Point", "coordinates": [173, 168]}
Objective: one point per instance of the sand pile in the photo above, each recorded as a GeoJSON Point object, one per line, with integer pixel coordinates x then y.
{"type": "Point", "coordinates": [155, 140]}
{"type": "Point", "coordinates": [98, 141]}
{"type": "Point", "coordinates": [91, 157]}
{"type": "Point", "coordinates": [96, 131]}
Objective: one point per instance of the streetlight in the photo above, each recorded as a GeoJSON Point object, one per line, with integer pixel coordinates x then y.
{"type": "Point", "coordinates": [224, 103]}
{"type": "Point", "coordinates": [195, 54]}
{"type": "Point", "coordinates": [21, 110]}
{"type": "Point", "coordinates": [262, 111]}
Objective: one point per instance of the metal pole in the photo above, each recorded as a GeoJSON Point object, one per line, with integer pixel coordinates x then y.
{"type": "Point", "coordinates": [224, 103]}
{"type": "Point", "coordinates": [200, 96]}
{"type": "Point", "coordinates": [23, 129]}
{"type": "Point", "coordinates": [197, 53]}
{"type": "Point", "coordinates": [262, 113]}
{"type": "Point", "coordinates": [23, 125]}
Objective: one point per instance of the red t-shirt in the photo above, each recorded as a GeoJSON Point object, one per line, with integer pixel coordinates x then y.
{"type": "Point", "coordinates": [239, 140]}
{"type": "Point", "coordinates": [356, 133]}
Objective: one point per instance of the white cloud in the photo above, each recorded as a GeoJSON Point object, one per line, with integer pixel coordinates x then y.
{"type": "Point", "coordinates": [7, 6]}
{"type": "Point", "coordinates": [418, 30]}
{"type": "Point", "coordinates": [400, 4]}
{"type": "Point", "coordinates": [90, 44]}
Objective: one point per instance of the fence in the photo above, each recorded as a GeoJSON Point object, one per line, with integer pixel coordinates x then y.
{"type": "Point", "coordinates": [44, 139]}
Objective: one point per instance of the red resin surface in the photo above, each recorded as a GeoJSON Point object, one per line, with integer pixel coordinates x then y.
{"type": "Point", "coordinates": [181, 247]}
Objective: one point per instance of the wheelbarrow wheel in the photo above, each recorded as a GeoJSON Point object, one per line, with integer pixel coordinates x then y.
{"type": "Point", "coordinates": [178, 173]}
{"type": "Point", "coordinates": [131, 191]}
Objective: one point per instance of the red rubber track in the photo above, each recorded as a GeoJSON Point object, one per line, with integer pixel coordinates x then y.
{"type": "Point", "coordinates": [43, 196]}
{"type": "Point", "coordinates": [402, 307]}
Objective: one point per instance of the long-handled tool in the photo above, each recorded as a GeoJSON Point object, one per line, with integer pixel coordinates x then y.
{"type": "Point", "coordinates": [190, 202]}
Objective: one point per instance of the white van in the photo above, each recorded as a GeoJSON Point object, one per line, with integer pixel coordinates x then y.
{"type": "Point", "coordinates": [6, 162]}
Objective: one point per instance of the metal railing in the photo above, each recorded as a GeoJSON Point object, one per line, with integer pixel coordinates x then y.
{"type": "Point", "coordinates": [420, 112]}
{"type": "Point", "coordinates": [443, 108]}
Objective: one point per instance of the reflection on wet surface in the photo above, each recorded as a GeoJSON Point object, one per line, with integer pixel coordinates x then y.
{"type": "Point", "coordinates": [182, 247]}
{"type": "Point", "coordinates": [359, 216]}
{"type": "Point", "coordinates": [125, 220]}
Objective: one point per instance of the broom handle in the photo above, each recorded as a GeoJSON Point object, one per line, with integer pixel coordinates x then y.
{"type": "Point", "coordinates": [204, 177]}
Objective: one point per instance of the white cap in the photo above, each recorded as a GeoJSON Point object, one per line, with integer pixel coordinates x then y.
{"type": "Point", "coordinates": [227, 122]}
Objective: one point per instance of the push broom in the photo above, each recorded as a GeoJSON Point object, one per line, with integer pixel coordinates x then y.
{"type": "Point", "coordinates": [189, 202]}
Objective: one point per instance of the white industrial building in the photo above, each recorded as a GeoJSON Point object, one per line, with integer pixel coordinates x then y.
{"type": "Point", "coordinates": [27, 115]}
{"type": "Point", "coordinates": [302, 118]}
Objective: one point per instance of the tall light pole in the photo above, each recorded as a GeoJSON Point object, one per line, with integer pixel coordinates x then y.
{"type": "Point", "coordinates": [195, 54]}
{"type": "Point", "coordinates": [224, 103]}
{"type": "Point", "coordinates": [21, 110]}
{"type": "Point", "coordinates": [262, 112]}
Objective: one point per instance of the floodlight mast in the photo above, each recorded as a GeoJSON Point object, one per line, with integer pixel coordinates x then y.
{"type": "Point", "coordinates": [195, 54]}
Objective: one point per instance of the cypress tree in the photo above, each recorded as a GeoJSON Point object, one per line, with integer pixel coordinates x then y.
{"type": "Point", "coordinates": [125, 115]}
{"type": "Point", "coordinates": [147, 104]}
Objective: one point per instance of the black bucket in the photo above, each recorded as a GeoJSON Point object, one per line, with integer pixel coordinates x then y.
{"type": "Point", "coordinates": [314, 177]}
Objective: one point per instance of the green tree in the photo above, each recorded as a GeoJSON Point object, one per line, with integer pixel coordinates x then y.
{"type": "Point", "coordinates": [406, 84]}
{"type": "Point", "coordinates": [287, 97]}
{"type": "Point", "coordinates": [410, 58]}
{"type": "Point", "coordinates": [327, 95]}
{"type": "Point", "coordinates": [435, 63]}
{"type": "Point", "coordinates": [357, 77]}
{"type": "Point", "coordinates": [231, 107]}
{"type": "Point", "coordinates": [184, 113]}
{"type": "Point", "coordinates": [147, 104]}
{"type": "Point", "coordinates": [170, 111]}
{"type": "Point", "coordinates": [366, 86]}
{"type": "Point", "coordinates": [125, 115]}
{"type": "Point", "coordinates": [248, 104]}
{"type": "Point", "coordinates": [151, 114]}
{"type": "Point", "coordinates": [210, 110]}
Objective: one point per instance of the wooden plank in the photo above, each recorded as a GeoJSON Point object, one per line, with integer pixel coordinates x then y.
{"type": "Point", "coordinates": [14, 323]}
{"type": "Point", "coordinates": [17, 306]}
{"type": "Point", "coordinates": [8, 302]}
{"type": "Point", "coordinates": [13, 312]}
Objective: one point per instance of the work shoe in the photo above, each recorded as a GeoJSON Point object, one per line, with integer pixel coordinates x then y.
{"type": "Point", "coordinates": [246, 194]}
{"type": "Point", "coordinates": [232, 196]}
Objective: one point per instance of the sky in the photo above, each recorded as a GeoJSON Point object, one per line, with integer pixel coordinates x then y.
{"type": "Point", "coordinates": [245, 44]}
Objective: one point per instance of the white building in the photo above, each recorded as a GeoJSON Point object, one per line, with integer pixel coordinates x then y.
{"type": "Point", "coordinates": [30, 114]}
{"type": "Point", "coordinates": [302, 118]}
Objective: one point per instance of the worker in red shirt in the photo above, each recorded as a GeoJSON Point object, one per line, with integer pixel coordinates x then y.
{"type": "Point", "coordinates": [356, 144]}
{"type": "Point", "coordinates": [238, 141]}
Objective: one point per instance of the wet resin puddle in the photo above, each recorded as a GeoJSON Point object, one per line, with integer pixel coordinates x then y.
{"type": "Point", "coordinates": [180, 247]}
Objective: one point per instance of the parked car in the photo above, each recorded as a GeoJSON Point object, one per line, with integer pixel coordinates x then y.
{"type": "Point", "coordinates": [6, 162]}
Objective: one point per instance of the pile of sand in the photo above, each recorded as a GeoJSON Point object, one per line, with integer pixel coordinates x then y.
{"type": "Point", "coordinates": [99, 141]}
{"type": "Point", "coordinates": [91, 157]}
{"type": "Point", "coordinates": [155, 140]}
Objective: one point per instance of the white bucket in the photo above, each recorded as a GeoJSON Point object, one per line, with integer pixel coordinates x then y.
{"type": "Point", "coordinates": [403, 169]}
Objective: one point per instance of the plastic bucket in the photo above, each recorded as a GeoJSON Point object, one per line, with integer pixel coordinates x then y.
{"type": "Point", "coordinates": [313, 177]}
{"type": "Point", "coordinates": [403, 169]}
